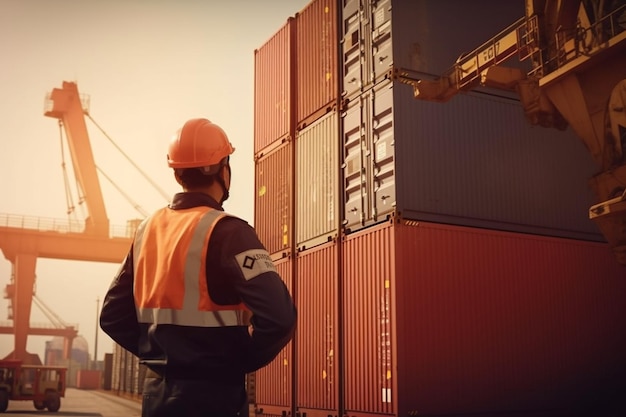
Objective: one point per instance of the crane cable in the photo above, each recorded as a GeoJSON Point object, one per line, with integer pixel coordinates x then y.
{"type": "Point", "coordinates": [126, 196]}
{"type": "Point", "coordinates": [68, 190]}
{"type": "Point", "coordinates": [51, 315]}
{"type": "Point", "coordinates": [155, 185]}
{"type": "Point", "coordinates": [69, 198]}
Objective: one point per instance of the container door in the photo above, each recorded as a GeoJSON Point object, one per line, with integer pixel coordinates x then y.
{"type": "Point", "coordinates": [368, 333]}
{"type": "Point", "coordinates": [355, 47]}
{"type": "Point", "coordinates": [356, 163]}
{"type": "Point", "coordinates": [383, 159]}
{"type": "Point", "coordinates": [381, 48]}
{"type": "Point", "coordinates": [272, 210]}
{"type": "Point", "coordinates": [317, 162]}
{"type": "Point", "coordinates": [317, 346]}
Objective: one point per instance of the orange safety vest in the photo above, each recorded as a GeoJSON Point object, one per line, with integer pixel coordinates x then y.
{"type": "Point", "coordinates": [169, 261]}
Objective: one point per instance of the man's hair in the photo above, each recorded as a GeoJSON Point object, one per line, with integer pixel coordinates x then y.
{"type": "Point", "coordinates": [194, 178]}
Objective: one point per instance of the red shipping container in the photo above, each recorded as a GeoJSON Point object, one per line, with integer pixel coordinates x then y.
{"type": "Point", "coordinates": [274, 88]}
{"type": "Point", "coordinates": [88, 379]}
{"type": "Point", "coordinates": [441, 319]}
{"type": "Point", "coordinates": [316, 61]}
{"type": "Point", "coordinates": [273, 217]}
{"type": "Point", "coordinates": [273, 383]}
{"type": "Point", "coordinates": [317, 343]}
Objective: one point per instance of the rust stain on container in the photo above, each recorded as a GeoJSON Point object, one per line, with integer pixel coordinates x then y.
{"type": "Point", "coordinates": [316, 61]}
{"type": "Point", "coordinates": [273, 88]}
{"type": "Point", "coordinates": [272, 212]}
{"type": "Point", "coordinates": [317, 188]}
{"type": "Point", "coordinates": [317, 348]}
{"type": "Point", "coordinates": [446, 319]}
{"type": "Point", "coordinates": [273, 383]}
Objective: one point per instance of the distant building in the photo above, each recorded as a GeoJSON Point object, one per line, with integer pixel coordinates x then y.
{"type": "Point", "coordinates": [79, 354]}
{"type": "Point", "coordinates": [79, 358]}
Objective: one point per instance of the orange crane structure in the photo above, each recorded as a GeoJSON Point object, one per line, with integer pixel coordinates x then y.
{"type": "Point", "coordinates": [577, 78]}
{"type": "Point", "coordinates": [24, 240]}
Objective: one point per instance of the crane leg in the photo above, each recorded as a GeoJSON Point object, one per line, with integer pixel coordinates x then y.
{"type": "Point", "coordinates": [24, 284]}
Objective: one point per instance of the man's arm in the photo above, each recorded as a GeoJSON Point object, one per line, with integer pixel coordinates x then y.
{"type": "Point", "coordinates": [118, 317]}
{"type": "Point", "coordinates": [253, 278]}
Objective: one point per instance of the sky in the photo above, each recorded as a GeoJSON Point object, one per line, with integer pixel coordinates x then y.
{"type": "Point", "coordinates": [147, 67]}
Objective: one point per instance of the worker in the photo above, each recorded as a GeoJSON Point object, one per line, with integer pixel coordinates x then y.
{"type": "Point", "coordinates": [198, 299]}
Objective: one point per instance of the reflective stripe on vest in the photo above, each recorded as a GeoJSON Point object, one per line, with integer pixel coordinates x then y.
{"type": "Point", "coordinates": [172, 289]}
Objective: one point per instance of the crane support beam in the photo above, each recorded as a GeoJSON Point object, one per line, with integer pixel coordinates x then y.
{"type": "Point", "coordinates": [57, 245]}
{"type": "Point", "coordinates": [69, 332]}
{"type": "Point", "coordinates": [24, 268]}
{"type": "Point", "coordinates": [65, 104]}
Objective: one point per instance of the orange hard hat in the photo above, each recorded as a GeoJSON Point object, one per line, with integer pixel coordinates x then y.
{"type": "Point", "coordinates": [198, 144]}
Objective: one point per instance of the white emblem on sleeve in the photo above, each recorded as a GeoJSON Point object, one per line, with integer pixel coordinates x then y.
{"type": "Point", "coordinates": [254, 262]}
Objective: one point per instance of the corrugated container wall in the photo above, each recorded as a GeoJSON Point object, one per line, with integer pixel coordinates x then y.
{"type": "Point", "coordinates": [274, 88]}
{"type": "Point", "coordinates": [317, 344]}
{"type": "Point", "coordinates": [273, 218]}
{"type": "Point", "coordinates": [128, 375]}
{"type": "Point", "coordinates": [88, 379]}
{"type": "Point", "coordinates": [317, 182]}
{"type": "Point", "coordinates": [316, 61]}
{"type": "Point", "coordinates": [473, 161]}
{"type": "Point", "coordinates": [467, 321]}
{"type": "Point", "coordinates": [368, 358]}
{"type": "Point", "coordinates": [107, 378]}
{"type": "Point", "coordinates": [274, 383]}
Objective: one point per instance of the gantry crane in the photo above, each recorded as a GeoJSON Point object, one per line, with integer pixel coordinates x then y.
{"type": "Point", "coordinates": [22, 242]}
{"type": "Point", "coordinates": [577, 51]}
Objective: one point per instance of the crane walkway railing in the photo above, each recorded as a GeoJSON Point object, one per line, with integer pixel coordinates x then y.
{"type": "Point", "coordinates": [46, 224]}
{"type": "Point", "coordinates": [9, 323]}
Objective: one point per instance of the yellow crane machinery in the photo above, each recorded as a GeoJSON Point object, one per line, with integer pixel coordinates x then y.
{"type": "Point", "coordinates": [576, 77]}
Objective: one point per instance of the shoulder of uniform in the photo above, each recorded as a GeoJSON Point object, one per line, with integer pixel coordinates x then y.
{"type": "Point", "coordinates": [233, 218]}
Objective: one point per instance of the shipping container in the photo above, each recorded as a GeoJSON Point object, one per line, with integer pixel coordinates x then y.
{"type": "Point", "coordinates": [317, 82]}
{"type": "Point", "coordinates": [474, 161]}
{"type": "Point", "coordinates": [450, 320]}
{"type": "Point", "coordinates": [317, 343]}
{"type": "Point", "coordinates": [273, 217]}
{"type": "Point", "coordinates": [274, 383]}
{"type": "Point", "coordinates": [274, 78]}
{"type": "Point", "coordinates": [107, 378]}
{"type": "Point", "coordinates": [317, 182]}
{"type": "Point", "coordinates": [88, 379]}
{"type": "Point", "coordinates": [421, 35]}
{"type": "Point", "coordinates": [356, 162]}
{"type": "Point", "coordinates": [127, 375]}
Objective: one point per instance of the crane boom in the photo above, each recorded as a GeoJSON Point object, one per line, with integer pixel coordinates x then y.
{"type": "Point", "coordinates": [469, 68]}
{"type": "Point", "coordinates": [66, 105]}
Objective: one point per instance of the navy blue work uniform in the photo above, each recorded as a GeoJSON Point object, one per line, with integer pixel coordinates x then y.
{"type": "Point", "coordinates": [183, 300]}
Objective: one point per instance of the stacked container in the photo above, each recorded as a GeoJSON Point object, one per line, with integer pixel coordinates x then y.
{"type": "Point", "coordinates": [440, 255]}
{"type": "Point", "coordinates": [473, 161]}
{"type": "Point", "coordinates": [297, 165]}
{"type": "Point", "coordinates": [274, 132]}
{"type": "Point", "coordinates": [127, 374]}
{"type": "Point", "coordinates": [452, 320]}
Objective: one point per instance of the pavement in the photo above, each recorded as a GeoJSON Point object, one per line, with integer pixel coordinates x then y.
{"type": "Point", "coordinates": [83, 403]}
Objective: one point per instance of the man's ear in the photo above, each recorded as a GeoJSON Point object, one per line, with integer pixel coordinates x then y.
{"type": "Point", "coordinates": [178, 180]}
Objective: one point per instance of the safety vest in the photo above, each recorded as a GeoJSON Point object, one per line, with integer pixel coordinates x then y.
{"type": "Point", "coordinates": [169, 261]}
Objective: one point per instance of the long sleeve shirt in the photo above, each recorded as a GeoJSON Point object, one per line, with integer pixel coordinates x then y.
{"type": "Point", "coordinates": [223, 353]}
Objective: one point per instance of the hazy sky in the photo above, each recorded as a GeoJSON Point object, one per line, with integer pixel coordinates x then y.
{"type": "Point", "coordinates": [147, 65]}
